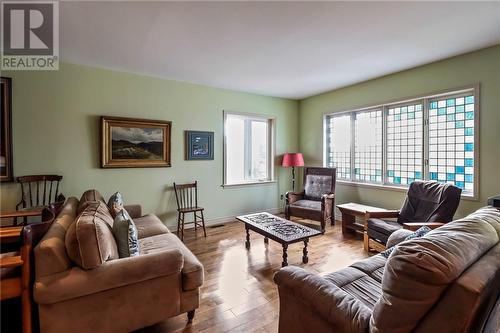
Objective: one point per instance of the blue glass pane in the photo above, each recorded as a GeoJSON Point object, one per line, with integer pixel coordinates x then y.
{"type": "Point", "coordinates": [469, 131]}
{"type": "Point", "coordinates": [460, 184]}
{"type": "Point", "coordinates": [469, 147]}
{"type": "Point", "coordinates": [434, 105]}
{"type": "Point", "coordinates": [469, 99]}
{"type": "Point", "coordinates": [378, 172]}
{"type": "Point", "coordinates": [459, 124]}
{"type": "Point", "coordinates": [397, 180]}
{"type": "Point", "coordinates": [397, 117]}
{"type": "Point", "coordinates": [356, 171]}
{"type": "Point", "coordinates": [459, 109]}
{"type": "Point", "coordinates": [418, 175]}
{"type": "Point", "coordinates": [434, 176]}
{"type": "Point", "coordinates": [450, 117]}
{"type": "Point", "coordinates": [459, 169]}
{"type": "Point", "coordinates": [450, 176]}
{"type": "Point", "coordinates": [450, 102]}
{"type": "Point", "coordinates": [404, 109]}
{"type": "Point", "coordinates": [411, 115]}
{"type": "Point", "coordinates": [390, 173]}
{"type": "Point", "coordinates": [441, 111]}
{"type": "Point", "coordinates": [469, 162]}
{"type": "Point", "coordinates": [469, 178]}
{"type": "Point", "coordinates": [469, 115]}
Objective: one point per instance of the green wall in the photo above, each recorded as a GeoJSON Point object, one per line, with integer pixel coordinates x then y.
{"type": "Point", "coordinates": [482, 66]}
{"type": "Point", "coordinates": [56, 117]}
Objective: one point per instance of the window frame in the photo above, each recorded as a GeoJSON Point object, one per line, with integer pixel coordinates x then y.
{"type": "Point", "coordinates": [425, 99]}
{"type": "Point", "coordinates": [271, 121]}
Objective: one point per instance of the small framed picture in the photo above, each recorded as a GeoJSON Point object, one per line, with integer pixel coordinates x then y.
{"type": "Point", "coordinates": [199, 145]}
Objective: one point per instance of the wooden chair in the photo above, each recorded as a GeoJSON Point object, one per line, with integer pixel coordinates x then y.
{"type": "Point", "coordinates": [37, 192]}
{"type": "Point", "coordinates": [16, 267]}
{"type": "Point", "coordinates": [186, 196]}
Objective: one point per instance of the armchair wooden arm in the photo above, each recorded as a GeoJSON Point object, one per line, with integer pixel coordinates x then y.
{"type": "Point", "coordinates": [11, 262]}
{"type": "Point", "coordinates": [382, 214]}
{"type": "Point", "coordinates": [21, 213]}
{"type": "Point", "coordinates": [291, 197]}
{"type": "Point", "coordinates": [413, 226]}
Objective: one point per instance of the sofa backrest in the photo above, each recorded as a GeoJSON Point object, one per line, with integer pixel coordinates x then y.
{"type": "Point", "coordinates": [50, 253]}
{"type": "Point", "coordinates": [89, 240]}
{"type": "Point", "coordinates": [420, 271]}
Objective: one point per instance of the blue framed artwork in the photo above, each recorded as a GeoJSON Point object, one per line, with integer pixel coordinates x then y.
{"type": "Point", "coordinates": [199, 145]}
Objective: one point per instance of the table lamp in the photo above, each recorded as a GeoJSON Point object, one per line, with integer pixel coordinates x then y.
{"type": "Point", "coordinates": [292, 160]}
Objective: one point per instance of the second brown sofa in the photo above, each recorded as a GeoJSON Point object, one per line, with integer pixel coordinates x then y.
{"type": "Point", "coordinates": [82, 286]}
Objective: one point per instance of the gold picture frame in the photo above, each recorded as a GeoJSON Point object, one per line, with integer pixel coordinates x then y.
{"type": "Point", "coordinates": [135, 143]}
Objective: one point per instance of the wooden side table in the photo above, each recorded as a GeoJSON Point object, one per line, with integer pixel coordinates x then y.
{"type": "Point", "coordinates": [349, 213]}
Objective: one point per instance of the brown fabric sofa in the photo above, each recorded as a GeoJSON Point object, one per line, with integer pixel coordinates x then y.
{"type": "Point", "coordinates": [82, 286]}
{"type": "Point", "coordinates": [446, 281]}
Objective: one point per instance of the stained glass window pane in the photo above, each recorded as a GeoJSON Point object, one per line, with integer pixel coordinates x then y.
{"type": "Point", "coordinates": [340, 145]}
{"type": "Point", "coordinates": [451, 142]}
{"type": "Point", "coordinates": [404, 143]}
{"type": "Point", "coordinates": [368, 146]}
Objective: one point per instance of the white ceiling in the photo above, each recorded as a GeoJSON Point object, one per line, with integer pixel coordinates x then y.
{"type": "Point", "coordinates": [284, 49]}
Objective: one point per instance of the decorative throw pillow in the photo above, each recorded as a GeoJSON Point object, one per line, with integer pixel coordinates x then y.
{"type": "Point", "coordinates": [125, 233]}
{"type": "Point", "coordinates": [115, 203]}
{"type": "Point", "coordinates": [416, 234]}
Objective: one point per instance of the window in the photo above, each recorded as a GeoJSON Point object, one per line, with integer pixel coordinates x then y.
{"type": "Point", "coordinates": [368, 146]}
{"type": "Point", "coordinates": [429, 138]}
{"type": "Point", "coordinates": [404, 143]}
{"type": "Point", "coordinates": [248, 149]}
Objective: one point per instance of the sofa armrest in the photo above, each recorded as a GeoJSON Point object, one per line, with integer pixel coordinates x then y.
{"type": "Point", "coordinates": [397, 237]}
{"type": "Point", "coordinates": [384, 214]}
{"type": "Point", "coordinates": [334, 305]}
{"type": "Point", "coordinates": [291, 197]}
{"type": "Point", "coordinates": [416, 225]}
{"type": "Point", "coordinates": [135, 211]}
{"type": "Point", "coordinates": [77, 282]}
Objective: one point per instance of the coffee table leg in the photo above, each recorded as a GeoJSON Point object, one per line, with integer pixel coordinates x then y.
{"type": "Point", "coordinates": [247, 243]}
{"type": "Point", "coordinates": [305, 258]}
{"type": "Point", "coordinates": [285, 256]}
{"type": "Point", "coordinates": [266, 240]}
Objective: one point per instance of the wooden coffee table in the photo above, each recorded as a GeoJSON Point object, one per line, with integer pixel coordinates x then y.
{"type": "Point", "coordinates": [349, 213]}
{"type": "Point", "coordinates": [279, 230]}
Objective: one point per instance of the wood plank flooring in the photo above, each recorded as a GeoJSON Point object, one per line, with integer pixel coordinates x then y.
{"type": "Point", "coordinates": [239, 294]}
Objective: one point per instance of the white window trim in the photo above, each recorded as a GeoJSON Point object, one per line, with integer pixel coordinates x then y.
{"type": "Point", "coordinates": [271, 155]}
{"type": "Point", "coordinates": [424, 98]}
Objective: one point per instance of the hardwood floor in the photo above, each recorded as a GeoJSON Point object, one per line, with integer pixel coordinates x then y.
{"type": "Point", "coordinates": [239, 294]}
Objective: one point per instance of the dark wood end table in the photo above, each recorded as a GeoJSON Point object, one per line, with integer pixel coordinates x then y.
{"type": "Point", "coordinates": [279, 230]}
{"type": "Point", "coordinates": [349, 213]}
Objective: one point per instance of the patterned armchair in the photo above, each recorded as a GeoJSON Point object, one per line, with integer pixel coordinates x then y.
{"type": "Point", "coordinates": [317, 201]}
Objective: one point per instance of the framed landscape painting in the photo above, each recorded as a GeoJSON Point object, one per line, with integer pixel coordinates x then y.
{"type": "Point", "coordinates": [6, 174]}
{"type": "Point", "coordinates": [199, 145]}
{"type": "Point", "coordinates": [134, 143]}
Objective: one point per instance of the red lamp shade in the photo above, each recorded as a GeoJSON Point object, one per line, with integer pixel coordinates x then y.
{"type": "Point", "coordinates": [292, 160]}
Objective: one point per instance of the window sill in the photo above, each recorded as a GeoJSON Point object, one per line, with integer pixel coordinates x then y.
{"type": "Point", "coordinates": [393, 188]}
{"type": "Point", "coordinates": [245, 184]}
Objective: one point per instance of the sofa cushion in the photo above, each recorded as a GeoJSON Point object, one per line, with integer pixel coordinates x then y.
{"type": "Point", "coordinates": [88, 196]}
{"type": "Point", "coordinates": [192, 271]}
{"type": "Point", "coordinates": [89, 240]}
{"type": "Point", "coordinates": [308, 204]}
{"type": "Point", "coordinates": [317, 185]}
{"type": "Point", "coordinates": [50, 253]}
{"type": "Point", "coordinates": [420, 270]}
{"type": "Point", "coordinates": [125, 233]}
{"type": "Point", "coordinates": [150, 225]}
{"type": "Point", "coordinates": [373, 266]}
{"type": "Point", "coordinates": [357, 284]}
{"type": "Point", "coordinates": [115, 204]}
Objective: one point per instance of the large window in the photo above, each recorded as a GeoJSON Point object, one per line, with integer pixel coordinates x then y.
{"type": "Point", "coordinates": [248, 149]}
{"type": "Point", "coordinates": [429, 138]}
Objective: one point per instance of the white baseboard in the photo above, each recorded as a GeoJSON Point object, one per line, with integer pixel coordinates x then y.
{"type": "Point", "coordinates": [228, 219]}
